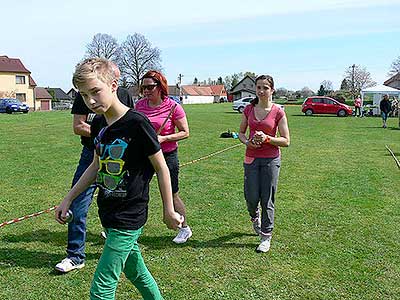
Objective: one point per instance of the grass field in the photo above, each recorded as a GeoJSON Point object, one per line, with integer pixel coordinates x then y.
{"type": "Point", "coordinates": [337, 213]}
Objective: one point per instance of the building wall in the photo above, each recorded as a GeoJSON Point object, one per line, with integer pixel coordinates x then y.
{"type": "Point", "coordinates": [247, 83]}
{"type": "Point", "coordinates": [8, 85]}
{"type": "Point", "coordinates": [187, 99]}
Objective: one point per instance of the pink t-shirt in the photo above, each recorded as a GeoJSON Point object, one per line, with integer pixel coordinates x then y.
{"type": "Point", "coordinates": [357, 102]}
{"type": "Point", "coordinates": [269, 125]}
{"type": "Point", "coordinates": [158, 114]}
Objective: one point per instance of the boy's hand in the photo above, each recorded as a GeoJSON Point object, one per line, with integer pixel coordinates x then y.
{"type": "Point", "coordinates": [173, 220]}
{"type": "Point", "coordinates": [60, 212]}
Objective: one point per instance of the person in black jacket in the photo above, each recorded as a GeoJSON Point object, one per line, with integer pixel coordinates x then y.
{"type": "Point", "coordinates": [385, 108]}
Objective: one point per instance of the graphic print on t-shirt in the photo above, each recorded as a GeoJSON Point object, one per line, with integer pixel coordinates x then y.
{"type": "Point", "coordinates": [112, 176]}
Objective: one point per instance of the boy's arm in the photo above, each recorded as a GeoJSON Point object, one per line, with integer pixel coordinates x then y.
{"type": "Point", "coordinates": [87, 178]}
{"type": "Point", "coordinates": [172, 219]}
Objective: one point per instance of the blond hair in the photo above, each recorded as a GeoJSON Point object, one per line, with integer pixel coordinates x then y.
{"type": "Point", "coordinates": [93, 68]}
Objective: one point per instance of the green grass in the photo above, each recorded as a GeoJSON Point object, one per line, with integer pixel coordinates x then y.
{"type": "Point", "coordinates": [337, 213]}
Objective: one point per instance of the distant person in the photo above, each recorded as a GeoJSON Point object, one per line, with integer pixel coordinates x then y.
{"type": "Point", "coordinates": [385, 107]}
{"type": "Point", "coordinates": [169, 121]}
{"type": "Point", "coordinates": [127, 153]}
{"type": "Point", "coordinates": [357, 106]}
{"type": "Point", "coordinates": [82, 120]}
{"type": "Point", "coordinates": [263, 158]}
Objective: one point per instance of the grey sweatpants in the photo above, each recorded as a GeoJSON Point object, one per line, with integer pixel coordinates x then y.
{"type": "Point", "coordinates": [260, 186]}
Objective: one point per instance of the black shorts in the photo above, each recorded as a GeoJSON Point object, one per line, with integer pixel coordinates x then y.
{"type": "Point", "coordinates": [171, 158]}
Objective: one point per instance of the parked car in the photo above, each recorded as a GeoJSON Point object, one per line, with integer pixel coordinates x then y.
{"type": "Point", "coordinates": [325, 105]}
{"type": "Point", "coordinates": [240, 104]}
{"type": "Point", "coordinates": [176, 99]}
{"type": "Point", "coordinates": [10, 105]}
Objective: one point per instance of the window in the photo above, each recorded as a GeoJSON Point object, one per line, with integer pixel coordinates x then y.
{"type": "Point", "coordinates": [21, 97]}
{"type": "Point", "coordinates": [244, 85]}
{"type": "Point", "coordinates": [317, 100]}
{"type": "Point", "coordinates": [19, 79]}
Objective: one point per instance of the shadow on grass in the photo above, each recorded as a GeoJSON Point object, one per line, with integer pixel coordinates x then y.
{"type": "Point", "coordinates": [48, 237]}
{"type": "Point", "coordinates": [393, 128]}
{"type": "Point", "coordinates": [24, 258]}
{"type": "Point", "coordinates": [161, 242]}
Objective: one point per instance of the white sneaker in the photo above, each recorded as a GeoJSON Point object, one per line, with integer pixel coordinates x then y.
{"type": "Point", "coordinates": [103, 235]}
{"type": "Point", "coordinates": [67, 265]}
{"type": "Point", "coordinates": [183, 235]}
{"type": "Point", "coordinates": [265, 244]}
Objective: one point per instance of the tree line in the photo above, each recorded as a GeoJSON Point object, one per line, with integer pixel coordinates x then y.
{"type": "Point", "coordinates": [136, 55]}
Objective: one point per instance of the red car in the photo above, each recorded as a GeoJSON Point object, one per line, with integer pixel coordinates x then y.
{"type": "Point", "coordinates": [325, 105]}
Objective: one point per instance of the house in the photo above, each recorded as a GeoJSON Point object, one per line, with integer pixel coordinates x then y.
{"type": "Point", "coordinates": [72, 93]}
{"type": "Point", "coordinates": [244, 88]}
{"type": "Point", "coordinates": [393, 81]}
{"type": "Point", "coordinates": [60, 100]}
{"type": "Point", "coordinates": [43, 98]}
{"type": "Point", "coordinates": [16, 81]}
{"type": "Point", "coordinates": [193, 94]}
{"type": "Point", "coordinates": [173, 90]}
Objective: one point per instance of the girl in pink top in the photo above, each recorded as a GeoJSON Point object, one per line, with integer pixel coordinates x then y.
{"type": "Point", "coordinates": [262, 160]}
{"type": "Point", "coordinates": [166, 116]}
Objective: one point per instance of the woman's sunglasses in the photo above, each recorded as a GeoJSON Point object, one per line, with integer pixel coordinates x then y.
{"type": "Point", "coordinates": [108, 181]}
{"type": "Point", "coordinates": [149, 87]}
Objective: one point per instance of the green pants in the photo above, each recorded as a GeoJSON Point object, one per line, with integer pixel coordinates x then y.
{"type": "Point", "coordinates": [121, 253]}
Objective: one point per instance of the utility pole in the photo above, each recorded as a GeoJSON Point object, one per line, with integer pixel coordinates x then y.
{"type": "Point", "coordinates": [352, 81]}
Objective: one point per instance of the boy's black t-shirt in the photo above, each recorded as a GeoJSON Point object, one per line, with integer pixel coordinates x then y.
{"type": "Point", "coordinates": [126, 206]}
{"type": "Point", "coordinates": [79, 108]}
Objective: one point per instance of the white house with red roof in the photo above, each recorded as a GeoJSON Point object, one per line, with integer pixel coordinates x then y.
{"type": "Point", "coordinates": [195, 94]}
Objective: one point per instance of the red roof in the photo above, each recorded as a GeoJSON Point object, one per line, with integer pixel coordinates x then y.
{"type": "Point", "coordinates": [42, 93]}
{"type": "Point", "coordinates": [12, 65]}
{"type": "Point", "coordinates": [204, 90]}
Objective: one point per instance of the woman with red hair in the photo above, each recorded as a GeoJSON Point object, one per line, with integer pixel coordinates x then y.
{"type": "Point", "coordinates": [166, 116]}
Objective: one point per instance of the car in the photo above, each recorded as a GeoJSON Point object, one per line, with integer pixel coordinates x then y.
{"type": "Point", "coordinates": [241, 103]}
{"type": "Point", "coordinates": [325, 105]}
{"type": "Point", "coordinates": [176, 99]}
{"type": "Point", "coordinates": [10, 105]}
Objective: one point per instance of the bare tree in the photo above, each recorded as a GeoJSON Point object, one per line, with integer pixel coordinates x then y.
{"type": "Point", "coordinates": [359, 78]}
{"type": "Point", "coordinates": [327, 84]}
{"type": "Point", "coordinates": [137, 57]}
{"type": "Point", "coordinates": [103, 45]}
{"type": "Point", "coordinates": [395, 67]}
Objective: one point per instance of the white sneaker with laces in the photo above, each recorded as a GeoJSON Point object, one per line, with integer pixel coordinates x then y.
{"type": "Point", "coordinates": [183, 235]}
{"type": "Point", "coordinates": [67, 265]}
{"type": "Point", "coordinates": [265, 244]}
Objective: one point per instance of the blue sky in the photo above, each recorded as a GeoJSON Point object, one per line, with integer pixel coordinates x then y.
{"type": "Point", "coordinates": [299, 43]}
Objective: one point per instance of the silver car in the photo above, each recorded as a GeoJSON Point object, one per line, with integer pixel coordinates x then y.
{"type": "Point", "coordinates": [240, 104]}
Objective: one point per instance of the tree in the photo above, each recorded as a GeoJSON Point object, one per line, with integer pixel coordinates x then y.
{"type": "Point", "coordinates": [250, 74]}
{"type": "Point", "coordinates": [219, 80]}
{"type": "Point", "coordinates": [395, 67]}
{"type": "Point", "coordinates": [359, 78]}
{"type": "Point", "coordinates": [306, 92]}
{"type": "Point", "coordinates": [137, 57]}
{"type": "Point", "coordinates": [327, 84]}
{"type": "Point", "coordinates": [195, 81]}
{"type": "Point", "coordinates": [103, 45]}
{"type": "Point", "coordinates": [345, 85]}
{"type": "Point", "coordinates": [321, 91]}
{"type": "Point", "coordinates": [281, 92]}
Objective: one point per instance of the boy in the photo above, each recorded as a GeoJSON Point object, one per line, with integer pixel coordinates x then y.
{"type": "Point", "coordinates": [127, 154]}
